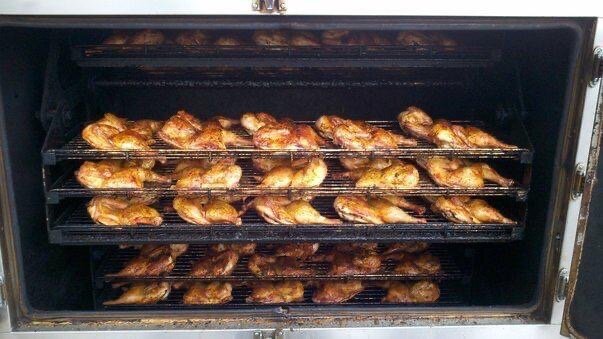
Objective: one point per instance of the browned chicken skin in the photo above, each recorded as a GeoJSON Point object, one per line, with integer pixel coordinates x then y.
{"type": "Point", "coordinates": [142, 293]}
{"type": "Point", "coordinates": [300, 251]}
{"type": "Point", "coordinates": [115, 174]}
{"type": "Point", "coordinates": [461, 173]}
{"type": "Point", "coordinates": [187, 132]}
{"type": "Point", "coordinates": [418, 264]}
{"type": "Point", "coordinates": [423, 291]}
{"type": "Point", "coordinates": [262, 265]}
{"type": "Point", "coordinates": [445, 134]}
{"type": "Point", "coordinates": [227, 41]}
{"type": "Point", "coordinates": [205, 211]}
{"type": "Point", "coordinates": [360, 261]}
{"type": "Point", "coordinates": [399, 250]}
{"type": "Point", "coordinates": [265, 165]}
{"type": "Point", "coordinates": [398, 174]}
{"type": "Point", "coordinates": [222, 173]}
{"type": "Point", "coordinates": [147, 37]}
{"type": "Point", "coordinates": [270, 38]}
{"type": "Point", "coordinates": [304, 173]}
{"type": "Point", "coordinates": [218, 264]}
{"type": "Point", "coordinates": [461, 209]}
{"type": "Point", "coordinates": [118, 38]}
{"type": "Point", "coordinates": [281, 210]}
{"type": "Point", "coordinates": [304, 38]}
{"type": "Point", "coordinates": [152, 250]}
{"type": "Point", "coordinates": [112, 211]}
{"type": "Point", "coordinates": [335, 292]}
{"type": "Point", "coordinates": [268, 292]}
{"type": "Point", "coordinates": [205, 293]}
{"type": "Point", "coordinates": [243, 249]}
{"type": "Point", "coordinates": [335, 37]}
{"type": "Point", "coordinates": [372, 210]}
{"type": "Point", "coordinates": [192, 38]}
{"type": "Point", "coordinates": [147, 266]}
{"type": "Point", "coordinates": [270, 133]}
{"type": "Point", "coordinates": [355, 246]}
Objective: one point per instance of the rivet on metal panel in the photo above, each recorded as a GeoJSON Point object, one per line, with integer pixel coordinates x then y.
{"type": "Point", "coordinates": [258, 335]}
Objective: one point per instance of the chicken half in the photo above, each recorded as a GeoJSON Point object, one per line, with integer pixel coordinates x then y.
{"type": "Point", "coordinates": [116, 174]}
{"type": "Point", "coordinates": [462, 209]}
{"type": "Point", "coordinates": [206, 211]}
{"type": "Point", "coordinates": [359, 135]}
{"type": "Point", "coordinates": [397, 175]}
{"type": "Point", "coordinates": [143, 265]}
{"type": "Point", "coordinates": [195, 174]}
{"type": "Point", "coordinates": [355, 246]}
{"type": "Point", "coordinates": [372, 210]}
{"type": "Point", "coordinates": [305, 173]}
{"type": "Point", "coordinates": [242, 249]}
{"type": "Point", "coordinates": [281, 210]}
{"type": "Point", "coordinates": [271, 133]}
{"type": "Point", "coordinates": [454, 172]}
{"type": "Point", "coordinates": [301, 250]}
{"type": "Point", "coordinates": [422, 291]}
{"type": "Point", "coordinates": [398, 251]}
{"type": "Point", "coordinates": [445, 134]}
{"type": "Point", "coordinates": [142, 293]}
{"type": "Point", "coordinates": [152, 250]}
{"type": "Point", "coordinates": [114, 133]}
{"type": "Point", "coordinates": [276, 292]}
{"type": "Point", "coordinates": [335, 292]}
{"type": "Point", "coordinates": [113, 211]}
{"type": "Point", "coordinates": [208, 293]}
{"type": "Point", "coordinates": [216, 264]}
{"type": "Point", "coordinates": [361, 261]}
{"type": "Point", "coordinates": [187, 132]}
{"type": "Point", "coordinates": [262, 265]}
{"type": "Point", "coordinates": [418, 264]}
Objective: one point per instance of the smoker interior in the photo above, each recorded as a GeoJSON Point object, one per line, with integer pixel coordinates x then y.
{"type": "Point", "coordinates": [531, 81]}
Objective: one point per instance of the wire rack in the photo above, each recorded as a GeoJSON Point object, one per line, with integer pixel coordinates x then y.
{"type": "Point", "coordinates": [74, 226]}
{"type": "Point", "coordinates": [117, 259]}
{"type": "Point", "coordinates": [78, 149]}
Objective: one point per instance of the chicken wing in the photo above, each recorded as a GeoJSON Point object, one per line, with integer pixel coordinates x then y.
{"type": "Point", "coordinates": [371, 211]}
{"type": "Point", "coordinates": [335, 292]}
{"type": "Point", "coordinates": [461, 173]}
{"type": "Point", "coordinates": [243, 249]}
{"type": "Point", "coordinates": [445, 134]}
{"type": "Point", "coordinates": [300, 251]}
{"type": "Point", "coordinates": [142, 293]}
{"type": "Point", "coordinates": [115, 174]}
{"type": "Point", "coordinates": [277, 292]}
{"type": "Point", "coordinates": [311, 174]}
{"type": "Point", "coordinates": [262, 265]}
{"type": "Point", "coordinates": [418, 264]}
{"type": "Point", "coordinates": [111, 211]}
{"type": "Point", "coordinates": [422, 291]}
{"type": "Point", "coordinates": [205, 211]}
{"type": "Point", "coordinates": [222, 173]}
{"type": "Point", "coordinates": [461, 209]}
{"type": "Point", "coordinates": [187, 132]}
{"type": "Point", "coordinates": [281, 210]}
{"type": "Point", "coordinates": [208, 293]}
{"type": "Point", "coordinates": [213, 265]}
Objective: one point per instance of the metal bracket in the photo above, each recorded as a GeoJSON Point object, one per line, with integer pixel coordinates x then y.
{"type": "Point", "coordinates": [597, 66]}
{"type": "Point", "coordinates": [578, 180]}
{"type": "Point", "coordinates": [269, 6]}
{"type": "Point", "coordinates": [562, 283]}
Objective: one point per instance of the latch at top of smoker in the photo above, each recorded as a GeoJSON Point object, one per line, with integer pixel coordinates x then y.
{"type": "Point", "coordinates": [269, 6]}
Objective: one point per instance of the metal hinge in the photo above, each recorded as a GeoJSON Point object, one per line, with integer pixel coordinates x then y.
{"type": "Point", "coordinates": [269, 6]}
{"type": "Point", "coordinates": [597, 66]}
{"type": "Point", "coordinates": [277, 334]}
{"type": "Point", "coordinates": [562, 283]}
{"type": "Point", "coordinates": [578, 180]}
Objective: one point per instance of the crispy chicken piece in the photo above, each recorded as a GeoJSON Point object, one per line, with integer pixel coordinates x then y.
{"type": "Point", "coordinates": [227, 41]}
{"type": "Point", "coordinates": [262, 265]}
{"type": "Point", "coordinates": [147, 266]}
{"type": "Point", "coordinates": [192, 38]}
{"type": "Point", "coordinates": [270, 133]}
{"type": "Point", "coordinates": [403, 203]}
{"type": "Point", "coordinates": [367, 39]}
{"type": "Point", "coordinates": [118, 38]}
{"type": "Point", "coordinates": [461, 173]}
{"type": "Point", "coordinates": [398, 175]}
{"type": "Point", "coordinates": [187, 132]}
{"type": "Point", "coordinates": [422, 291]}
{"type": "Point", "coordinates": [361, 261]}
{"type": "Point", "coordinates": [352, 164]}
{"type": "Point", "coordinates": [355, 134]}
{"type": "Point", "coordinates": [281, 210]}
{"type": "Point", "coordinates": [418, 264]}
{"type": "Point", "coordinates": [205, 211]}
{"type": "Point", "coordinates": [445, 134]}
{"type": "Point", "coordinates": [252, 122]}
{"type": "Point", "coordinates": [114, 133]}
{"type": "Point", "coordinates": [206, 293]}
{"type": "Point", "coordinates": [312, 174]}
{"type": "Point", "coordinates": [301, 250]}
{"type": "Point", "coordinates": [335, 292]}
{"type": "Point", "coordinates": [265, 165]}
{"type": "Point", "coordinates": [276, 292]}
{"type": "Point", "coordinates": [222, 173]}
{"type": "Point", "coordinates": [461, 209]}
{"type": "Point", "coordinates": [371, 211]}
{"type": "Point", "coordinates": [142, 293]}
{"type": "Point", "coordinates": [153, 250]}
{"type": "Point", "coordinates": [218, 264]}
{"type": "Point", "coordinates": [147, 37]}
{"type": "Point", "coordinates": [398, 250]}
{"type": "Point", "coordinates": [355, 246]}
{"type": "Point", "coordinates": [413, 38]}
{"type": "Point", "coordinates": [335, 37]}
{"type": "Point", "coordinates": [304, 39]}
{"type": "Point", "coordinates": [243, 249]}
{"type": "Point", "coordinates": [111, 211]}
{"type": "Point", "coordinates": [115, 174]}
{"type": "Point", "coordinates": [270, 38]}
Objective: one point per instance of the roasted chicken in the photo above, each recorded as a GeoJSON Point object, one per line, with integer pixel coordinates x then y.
{"type": "Point", "coordinates": [404, 248]}
{"type": "Point", "coordinates": [335, 292]}
{"type": "Point", "coordinates": [114, 133]}
{"type": "Point", "coordinates": [152, 250]}
{"type": "Point", "coordinates": [398, 174]}
{"type": "Point", "coordinates": [462, 209]}
{"type": "Point", "coordinates": [418, 264]}
{"type": "Point", "coordinates": [227, 41]}
{"type": "Point", "coordinates": [355, 134]}
{"type": "Point", "coordinates": [361, 261]}
{"type": "Point", "coordinates": [206, 293]}
{"type": "Point", "coordinates": [216, 264]}
{"type": "Point", "coordinates": [305, 173]}
{"type": "Point", "coordinates": [243, 249]}
{"type": "Point", "coordinates": [142, 293]}
{"type": "Point", "coordinates": [372, 210]}
{"type": "Point", "coordinates": [262, 265]}
{"type": "Point", "coordinates": [335, 37]}
{"type": "Point", "coordinates": [455, 172]}
{"type": "Point", "coordinates": [147, 266]}
{"type": "Point", "coordinates": [267, 164]}
{"type": "Point", "coordinates": [355, 246]}
{"type": "Point", "coordinates": [445, 134]}
{"type": "Point", "coordinates": [304, 39]}
{"type": "Point", "coordinates": [113, 211]}
{"type": "Point", "coordinates": [205, 211]}
{"type": "Point", "coordinates": [221, 173]}
{"type": "Point", "coordinates": [187, 132]}
{"type": "Point", "coordinates": [270, 38]}
{"type": "Point", "coordinates": [281, 210]}
{"type": "Point", "coordinates": [270, 133]}
{"type": "Point", "coordinates": [422, 291]}
{"type": "Point", "coordinates": [301, 250]}
{"type": "Point", "coordinates": [352, 164]}
{"type": "Point", "coordinates": [192, 38]}
{"type": "Point", "coordinates": [116, 174]}
{"type": "Point", "coordinates": [276, 292]}
{"type": "Point", "coordinates": [147, 37]}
